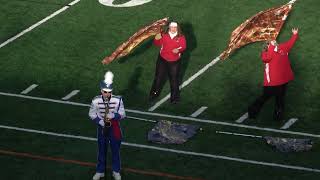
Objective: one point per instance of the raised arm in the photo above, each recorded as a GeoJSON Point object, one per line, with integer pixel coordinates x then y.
{"type": "Point", "coordinates": [158, 40]}
{"type": "Point", "coordinates": [289, 44]}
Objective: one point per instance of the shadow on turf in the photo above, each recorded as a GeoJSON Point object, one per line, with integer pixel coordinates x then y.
{"type": "Point", "coordinates": [132, 91]}
{"type": "Point", "coordinates": [188, 31]}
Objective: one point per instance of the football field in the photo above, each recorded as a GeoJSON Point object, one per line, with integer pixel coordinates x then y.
{"type": "Point", "coordinates": [50, 69]}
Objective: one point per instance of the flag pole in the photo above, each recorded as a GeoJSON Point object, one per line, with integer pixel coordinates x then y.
{"type": "Point", "coordinates": [292, 1]}
{"type": "Point", "coordinates": [238, 134]}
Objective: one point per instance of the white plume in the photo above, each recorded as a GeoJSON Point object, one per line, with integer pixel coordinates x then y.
{"type": "Point", "coordinates": [108, 77]}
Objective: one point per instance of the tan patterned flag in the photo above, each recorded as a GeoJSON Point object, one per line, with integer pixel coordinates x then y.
{"type": "Point", "coordinates": [263, 26]}
{"type": "Point", "coordinates": [144, 33]}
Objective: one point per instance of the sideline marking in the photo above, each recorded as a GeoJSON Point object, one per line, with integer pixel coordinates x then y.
{"type": "Point", "coordinates": [170, 116]}
{"type": "Point", "coordinates": [169, 150]}
{"type": "Point", "coordinates": [90, 164]}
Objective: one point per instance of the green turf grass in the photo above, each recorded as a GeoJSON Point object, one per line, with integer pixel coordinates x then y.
{"type": "Point", "coordinates": [64, 54]}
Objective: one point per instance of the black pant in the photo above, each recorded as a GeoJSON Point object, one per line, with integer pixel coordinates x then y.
{"type": "Point", "coordinates": [269, 91]}
{"type": "Point", "coordinates": [163, 69]}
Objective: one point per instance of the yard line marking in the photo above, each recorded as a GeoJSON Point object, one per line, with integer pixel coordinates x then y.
{"type": "Point", "coordinates": [38, 23]}
{"type": "Point", "coordinates": [213, 156]}
{"type": "Point", "coordinates": [141, 119]}
{"type": "Point", "coordinates": [130, 3]}
{"type": "Point", "coordinates": [199, 111]}
{"type": "Point", "coordinates": [44, 99]}
{"type": "Point", "coordinates": [289, 123]}
{"type": "Point", "coordinates": [73, 2]}
{"type": "Point", "coordinates": [91, 164]}
{"type": "Point", "coordinates": [30, 88]}
{"type": "Point", "coordinates": [243, 118]}
{"type": "Point", "coordinates": [187, 82]}
{"type": "Point", "coordinates": [73, 93]}
{"type": "Point", "coordinates": [169, 116]}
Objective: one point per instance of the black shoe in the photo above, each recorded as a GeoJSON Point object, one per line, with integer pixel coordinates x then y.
{"type": "Point", "coordinates": [251, 115]}
{"type": "Point", "coordinates": [153, 96]}
{"type": "Point", "coordinates": [277, 115]}
{"type": "Point", "coordinates": [175, 101]}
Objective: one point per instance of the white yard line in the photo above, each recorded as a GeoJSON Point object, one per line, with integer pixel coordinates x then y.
{"type": "Point", "coordinates": [199, 111]}
{"type": "Point", "coordinates": [38, 23]}
{"type": "Point", "coordinates": [130, 3]}
{"type": "Point", "coordinates": [242, 118]}
{"type": "Point", "coordinates": [289, 123]}
{"type": "Point", "coordinates": [73, 2]}
{"type": "Point", "coordinates": [169, 116]}
{"type": "Point", "coordinates": [70, 95]}
{"type": "Point", "coordinates": [190, 153]}
{"type": "Point", "coordinates": [30, 88]}
{"type": "Point", "coordinates": [185, 83]}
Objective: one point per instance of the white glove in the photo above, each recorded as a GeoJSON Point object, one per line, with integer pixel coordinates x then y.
{"type": "Point", "coordinates": [158, 36]}
{"type": "Point", "coordinates": [101, 122]}
{"type": "Point", "coordinates": [110, 115]}
{"type": "Point", "coordinates": [175, 51]}
{"type": "Point", "coordinates": [295, 30]}
{"type": "Point", "coordinates": [274, 43]}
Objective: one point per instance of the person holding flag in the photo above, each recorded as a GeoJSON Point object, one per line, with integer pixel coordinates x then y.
{"type": "Point", "coordinates": [277, 74]}
{"type": "Point", "coordinates": [172, 44]}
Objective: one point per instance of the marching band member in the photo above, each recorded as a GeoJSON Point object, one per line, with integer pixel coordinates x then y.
{"type": "Point", "coordinates": [106, 111]}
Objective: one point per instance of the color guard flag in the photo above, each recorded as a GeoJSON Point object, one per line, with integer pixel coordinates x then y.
{"type": "Point", "coordinates": [264, 26]}
{"type": "Point", "coordinates": [144, 33]}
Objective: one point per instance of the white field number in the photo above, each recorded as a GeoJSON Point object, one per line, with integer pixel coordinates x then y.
{"type": "Point", "coordinates": [127, 4]}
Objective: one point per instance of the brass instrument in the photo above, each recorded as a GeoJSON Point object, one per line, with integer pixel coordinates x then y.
{"type": "Point", "coordinates": [107, 121]}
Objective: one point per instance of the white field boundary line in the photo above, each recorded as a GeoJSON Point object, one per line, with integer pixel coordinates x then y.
{"type": "Point", "coordinates": [38, 23]}
{"type": "Point", "coordinates": [190, 153]}
{"type": "Point", "coordinates": [289, 123]}
{"type": "Point", "coordinates": [199, 111]}
{"type": "Point", "coordinates": [185, 83]}
{"type": "Point", "coordinates": [169, 116]}
{"type": "Point", "coordinates": [30, 88]}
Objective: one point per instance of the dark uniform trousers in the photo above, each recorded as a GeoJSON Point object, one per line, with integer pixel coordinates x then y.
{"type": "Point", "coordinates": [268, 92]}
{"type": "Point", "coordinates": [163, 69]}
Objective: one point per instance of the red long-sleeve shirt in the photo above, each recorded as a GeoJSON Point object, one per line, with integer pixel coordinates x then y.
{"type": "Point", "coordinates": [277, 65]}
{"type": "Point", "coordinates": [167, 45]}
